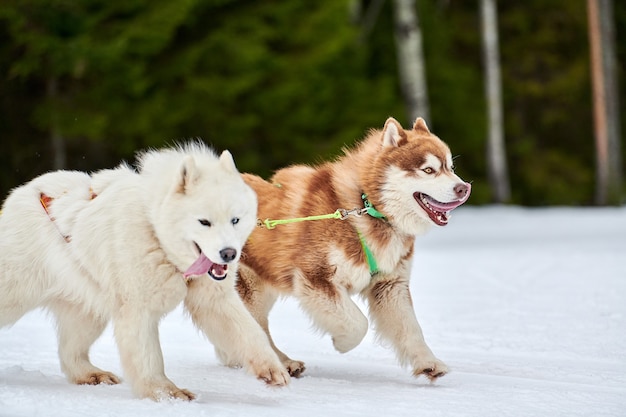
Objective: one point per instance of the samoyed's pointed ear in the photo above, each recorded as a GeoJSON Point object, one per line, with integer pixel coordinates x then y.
{"type": "Point", "coordinates": [188, 175]}
{"type": "Point", "coordinates": [393, 134]}
{"type": "Point", "coordinates": [226, 159]}
{"type": "Point", "coordinates": [420, 126]}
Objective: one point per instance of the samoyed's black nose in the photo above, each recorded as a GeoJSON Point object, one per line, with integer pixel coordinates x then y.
{"type": "Point", "coordinates": [228, 254]}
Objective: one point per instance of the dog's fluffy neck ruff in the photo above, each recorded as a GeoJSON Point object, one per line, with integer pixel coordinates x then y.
{"type": "Point", "coordinates": [388, 243]}
{"type": "Point", "coordinates": [350, 185]}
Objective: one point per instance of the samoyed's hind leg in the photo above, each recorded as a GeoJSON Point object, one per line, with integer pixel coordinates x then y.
{"type": "Point", "coordinates": [77, 330]}
{"type": "Point", "coordinates": [19, 294]}
{"type": "Point", "coordinates": [10, 311]}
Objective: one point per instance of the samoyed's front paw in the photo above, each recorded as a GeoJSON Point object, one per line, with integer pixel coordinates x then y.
{"type": "Point", "coordinates": [432, 368]}
{"type": "Point", "coordinates": [295, 368]}
{"type": "Point", "coordinates": [274, 374]}
{"type": "Point", "coordinates": [167, 391]}
{"type": "Point", "coordinates": [96, 377]}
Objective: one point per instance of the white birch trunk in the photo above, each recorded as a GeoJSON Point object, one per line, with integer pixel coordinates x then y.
{"type": "Point", "coordinates": [496, 153]}
{"type": "Point", "coordinates": [411, 60]}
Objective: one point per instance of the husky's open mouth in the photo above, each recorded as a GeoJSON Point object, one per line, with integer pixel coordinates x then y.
{"type": "Point", "coordinates": [436, 210]}
{"type": "Point", "coordinates": [204, 265]}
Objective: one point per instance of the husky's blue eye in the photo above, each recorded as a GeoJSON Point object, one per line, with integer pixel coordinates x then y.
{"type": "Point", "coordinates": [204, 222]}
{"type": "Point", "coordinates": [235, 220]}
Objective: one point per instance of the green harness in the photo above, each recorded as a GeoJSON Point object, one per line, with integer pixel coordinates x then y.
{"type": "Point", "coordinates": [340, 214]}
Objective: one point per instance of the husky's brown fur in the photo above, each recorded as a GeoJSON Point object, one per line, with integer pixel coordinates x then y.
{"type": "Point", "coordinates": [323, 263]}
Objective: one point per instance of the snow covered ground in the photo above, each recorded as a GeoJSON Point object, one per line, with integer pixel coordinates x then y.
{"type": "Point", "coordinates": [527, 307]}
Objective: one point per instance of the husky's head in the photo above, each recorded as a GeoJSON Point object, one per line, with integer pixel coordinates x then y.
{"type": "Point", "coordinates": [417, 183]}
{"type": "Point", "coordinates": [207, 213]}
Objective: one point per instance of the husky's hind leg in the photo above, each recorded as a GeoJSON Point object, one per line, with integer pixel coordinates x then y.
{"type": "Point", "coordinates": [332, 311]}
{"type": "Point", "coordinates": [77, 330]}
{"type": "Point", "coordinates": [259, 299]}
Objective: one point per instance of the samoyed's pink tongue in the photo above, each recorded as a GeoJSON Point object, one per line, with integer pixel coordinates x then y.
{"type": "Point", "coordinates": [200, 267]}
{"type": "Point", "coordinates": [204, 265]}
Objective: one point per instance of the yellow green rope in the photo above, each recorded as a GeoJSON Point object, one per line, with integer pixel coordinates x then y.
{"type": "Point", "coordinates": [270, 224]}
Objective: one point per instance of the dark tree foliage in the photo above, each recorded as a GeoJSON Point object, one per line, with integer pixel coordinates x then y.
{"type": "Point", "coordinates": [281, 82]}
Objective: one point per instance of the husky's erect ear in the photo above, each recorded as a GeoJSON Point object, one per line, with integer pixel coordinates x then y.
{"type": "Point", "coordinates": [420, 125]}
{"type": "Point", "coordinates": [226, 159]}
{"type": "Point", "coordinates": [393, 134]}
{"type": "Point", "coordinates": [188, 175]}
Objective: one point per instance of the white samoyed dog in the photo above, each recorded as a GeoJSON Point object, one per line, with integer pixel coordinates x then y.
{"type": "Point", "coordinates": [130, 246]}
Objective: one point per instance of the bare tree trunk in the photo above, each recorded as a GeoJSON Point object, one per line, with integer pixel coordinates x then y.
{"type": "Point", "coordinates": [57, 141]}
{"type": "Point", "coordinates": [496, 154]}
{"type": "Point", "coordinates": [411, 59]}
{"type": "Point", "coordinates": [605, 101]}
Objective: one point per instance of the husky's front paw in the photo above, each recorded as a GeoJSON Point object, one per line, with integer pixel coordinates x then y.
{"type": "Point", "coordinates": [346, 343]}
{"type": "Point", "coordinates": [432, 369]}
{"type": "Point", "coordinates": [351, 334]}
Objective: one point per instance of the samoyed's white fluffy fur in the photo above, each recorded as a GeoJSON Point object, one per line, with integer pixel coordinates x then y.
{"type": "Point", "coordinates": [129, 246]}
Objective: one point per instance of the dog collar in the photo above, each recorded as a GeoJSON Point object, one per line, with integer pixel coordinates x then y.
{"type": "Point", "coordinates": [370, 209]}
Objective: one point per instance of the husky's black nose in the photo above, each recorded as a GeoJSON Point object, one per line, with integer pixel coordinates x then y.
{"type": "Point", "coordinates": [228, 254]}
{"type": "Point", "coordinates": [461, 190]}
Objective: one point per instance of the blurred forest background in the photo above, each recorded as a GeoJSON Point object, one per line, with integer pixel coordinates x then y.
{"type": "Point", "coordinates": [86, 83]}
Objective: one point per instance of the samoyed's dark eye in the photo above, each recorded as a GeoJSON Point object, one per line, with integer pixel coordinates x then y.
{"type": "Point", "coordinates": [234, 220]}
{"type": "Point", "coordinates": [204, 222]}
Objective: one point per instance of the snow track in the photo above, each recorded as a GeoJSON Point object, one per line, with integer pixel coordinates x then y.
{"type": "Point", "coordinates": [527, 307]}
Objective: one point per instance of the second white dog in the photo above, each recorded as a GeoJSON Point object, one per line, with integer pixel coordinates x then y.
{"type": "Point", "coordinates": [130, 247]}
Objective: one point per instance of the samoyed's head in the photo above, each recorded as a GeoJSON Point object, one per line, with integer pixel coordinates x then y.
{"type": "Point", "coordinates": [201, 209]}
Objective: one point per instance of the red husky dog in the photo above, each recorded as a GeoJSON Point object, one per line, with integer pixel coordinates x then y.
{"type": "Point", "coordinates": [402, 182]}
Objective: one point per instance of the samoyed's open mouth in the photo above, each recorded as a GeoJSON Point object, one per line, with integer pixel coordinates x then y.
{"type": "Point", "coordinates": [437, 211]}
{"type": "Point", "coordinates": [204, 265]}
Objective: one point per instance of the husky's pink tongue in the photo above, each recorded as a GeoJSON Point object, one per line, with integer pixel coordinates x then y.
{"type": "Point", "coordinates": [437, 211]}
{"type": "Point", "coordinates": [204, 265]}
